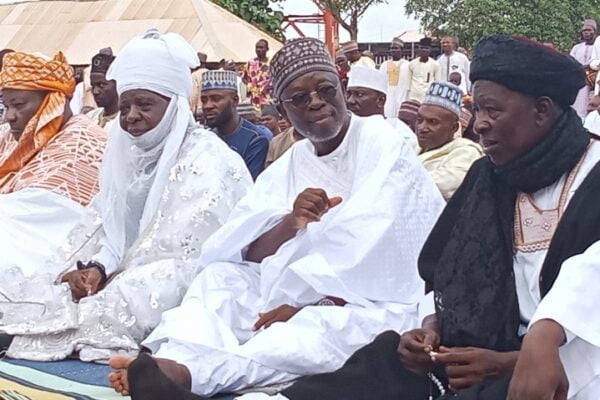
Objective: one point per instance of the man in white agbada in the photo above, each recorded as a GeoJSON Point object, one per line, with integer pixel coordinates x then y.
{"type": "Point", "coordinates": [452, 61]}
{"type": "Point", "coordinates": [396, 71]}
{"type": "Point", "coordinates": [366, 96]}
{"type": "Point", "coordinates": [317, 260]}
{"type": "Point", "coordinates": [166, 186]}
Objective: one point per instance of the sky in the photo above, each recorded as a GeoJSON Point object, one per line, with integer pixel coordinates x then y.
{"type": "Point", "coordinates": [379, 24]}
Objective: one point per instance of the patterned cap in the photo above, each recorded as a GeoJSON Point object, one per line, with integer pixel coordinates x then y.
{"type": "Point", "coordinates": [410, 107]}
{"type": "Point", "coordinates": [398, 41]}
{"type": "Point", "coordinates": [445, 95]}
{"type": "Point", "coordinates": [590, 23]}
{"type": "Point", "coordinates": [102, 61]}
{"type": "Point", "coordinates": [220, 80]}
{"type": "Point", "coordinates": [299, 57]}
{"type": "Point", "coordinates": [350, 46]}
{"type": "Point", "coordinates": [246, 109]}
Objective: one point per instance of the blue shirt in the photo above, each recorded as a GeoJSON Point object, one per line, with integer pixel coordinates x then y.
{"type": "Point", "coordinates": [251, 144]}
{"type": "Point", "coordinates": [266, 132]}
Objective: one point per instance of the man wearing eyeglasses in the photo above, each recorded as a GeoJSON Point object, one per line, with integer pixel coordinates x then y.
{"type": "Point", "coordinates": [315, 262]}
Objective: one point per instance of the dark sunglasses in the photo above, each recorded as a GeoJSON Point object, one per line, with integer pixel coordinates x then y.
{"type": "Point", "coordinates": [302, 100]}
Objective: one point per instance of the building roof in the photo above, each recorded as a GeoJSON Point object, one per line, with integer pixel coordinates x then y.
{"type": "Point", "coordinates": [80, 28]}
{"type": "Point", "coordinates": [411, 36]}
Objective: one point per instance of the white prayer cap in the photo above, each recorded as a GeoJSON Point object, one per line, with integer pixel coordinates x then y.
{"type": "Point", "coordinates": [156, 62]}
{"type": "Point", "coordinates": [368, 77]}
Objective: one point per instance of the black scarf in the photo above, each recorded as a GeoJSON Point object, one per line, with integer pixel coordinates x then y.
{"type": "Point", "coordinates": [468, 258]}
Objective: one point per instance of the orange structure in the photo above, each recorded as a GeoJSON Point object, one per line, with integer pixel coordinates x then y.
{"type": "Point", "coordinates": [326, 18]}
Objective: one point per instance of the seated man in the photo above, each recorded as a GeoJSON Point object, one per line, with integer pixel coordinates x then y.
{"type": "Point", "coordinates": [309, 265]}
{"type": "Point", "coordinates": [166, 186]}
{"type": "Point", "coordinates": [49, 159]}
{"type": "Point", "coordinates": [104, 91]}
{"type": "Point", "coordinates": [366, 96]}
{"type": "Point", "coordinates": [219, 103]}
{"type": "Point", "coordinates": [502, 262]}
{"type": "Point", "coordinates": [447, 158]}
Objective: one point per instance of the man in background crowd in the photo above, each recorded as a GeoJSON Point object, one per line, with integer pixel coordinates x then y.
{"type": "Point", "coordinates": [396, 71]}
{"type": "Point", "coordinates": [104, 91]}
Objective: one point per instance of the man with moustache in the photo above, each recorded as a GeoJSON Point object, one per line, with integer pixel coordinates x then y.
{"type": "Point", "coordinates": [219, 98]}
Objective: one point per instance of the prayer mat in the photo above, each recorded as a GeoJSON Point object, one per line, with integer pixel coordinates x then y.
{"type": "Point", "coordinates": [63, 380]}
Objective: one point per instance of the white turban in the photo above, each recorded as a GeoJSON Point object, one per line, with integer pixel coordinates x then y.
{"type": "Point", "coordinates": [161, 63]}
{"type": "Point", "coordinates": [368, 77]}
{"type": "Point", "coordinates": [135, 170]}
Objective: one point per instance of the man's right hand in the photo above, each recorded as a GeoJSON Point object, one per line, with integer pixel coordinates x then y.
{"type": "Point", "coordinates": [310, 206]}
{"type": "Point", "coordinates": [76, 281]}
{"type": "Point", "coordinates": [415, 347]}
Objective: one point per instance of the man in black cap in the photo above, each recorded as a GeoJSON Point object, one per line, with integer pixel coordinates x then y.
{"type": "Point", "coordinates": [504, 261]}
{"type": "Point", "coordinates": [103, 90]}
{"type": "Point", "coordinates": [422, 71]}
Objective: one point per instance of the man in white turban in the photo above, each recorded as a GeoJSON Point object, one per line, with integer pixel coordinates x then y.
{"type": "Point", "coordinates": [166, 186]}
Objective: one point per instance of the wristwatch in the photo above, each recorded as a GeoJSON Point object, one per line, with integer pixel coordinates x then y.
{"type": "Point", "coordinates": [93, 264]}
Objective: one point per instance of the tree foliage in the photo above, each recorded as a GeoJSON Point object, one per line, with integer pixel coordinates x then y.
{"type": "Point", "coordinates": [257, 12]}
{"type": "Point", "coordinates": [348, 12]}
{"type": "Point", "coordinates": [555, 21]}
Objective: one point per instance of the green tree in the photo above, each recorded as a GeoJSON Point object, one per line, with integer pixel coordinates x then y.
{"type": "Point", "coordinates": [258, 13]}
{"type": "Point", "coordinates": [555, 21]}
{"type": "Point", "coordinates": [348, 12]}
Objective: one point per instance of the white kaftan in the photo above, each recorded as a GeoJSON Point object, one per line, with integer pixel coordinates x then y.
{"type": "Point", "coordinates": [364, 251]}
{"type": "Point", "coordinates": [582, 52]}
{"type": "Point", "coordinates": [204, 184]}
{"type": "Point", "coordinates": [574, 298]}
{"type": "Point", "coordinates": [455, 62]}
{"type": "Point", "coordinates": [397, 73]}
{"type": "Point", "coordinates": [592, 122]}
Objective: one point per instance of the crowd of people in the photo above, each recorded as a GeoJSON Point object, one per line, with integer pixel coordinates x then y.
{"type": "Point", "coordinates": [307, 226]}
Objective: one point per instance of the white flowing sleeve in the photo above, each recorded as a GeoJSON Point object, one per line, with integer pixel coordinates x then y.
{"type": "Point", "coordinates": [34, 223]}
{"type": "Point", "coordinates": [573, 300]}
{"type": "Point", "coordinates": [573, 303]}
{"type": "Point", "coordinates": [106, 257]}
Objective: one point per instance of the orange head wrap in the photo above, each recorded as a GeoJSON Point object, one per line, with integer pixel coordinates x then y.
{"type": "Point", "coordinates": [24, 71]}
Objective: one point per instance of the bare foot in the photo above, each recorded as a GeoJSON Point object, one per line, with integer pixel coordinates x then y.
{"type": "Point", "coordinates": [118, 378]}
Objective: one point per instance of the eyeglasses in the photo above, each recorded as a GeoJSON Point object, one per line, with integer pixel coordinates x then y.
{"type": "Point", "coordinates": [302, 100]}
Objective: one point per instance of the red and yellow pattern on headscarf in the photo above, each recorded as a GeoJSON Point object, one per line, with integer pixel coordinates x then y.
{"type": "Point", "coordinates": [24, 71]}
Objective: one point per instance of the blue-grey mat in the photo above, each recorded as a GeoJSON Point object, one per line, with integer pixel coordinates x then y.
{"type": "Point", "coordinates": [74, 370]}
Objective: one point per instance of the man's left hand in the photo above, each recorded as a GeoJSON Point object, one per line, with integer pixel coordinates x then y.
{"type": "Point", "coordinates": [467, 366]}
{"type": "Point", "coordinates": [280, 314]}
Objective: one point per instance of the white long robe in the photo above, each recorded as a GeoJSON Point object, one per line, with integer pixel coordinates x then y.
{"type": "Point", "coordinates": [397, 86]}
{"type": "Point", "coordinates": [582, 52]}
{"type": "Point", "coordinates": [573, 299]}
{"type": "Point", "coordinates": [365, 251]}
{"type": "Point", "coordinates": [455, 62]}
{"type": "Point", "coordinates": [204, 184]}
